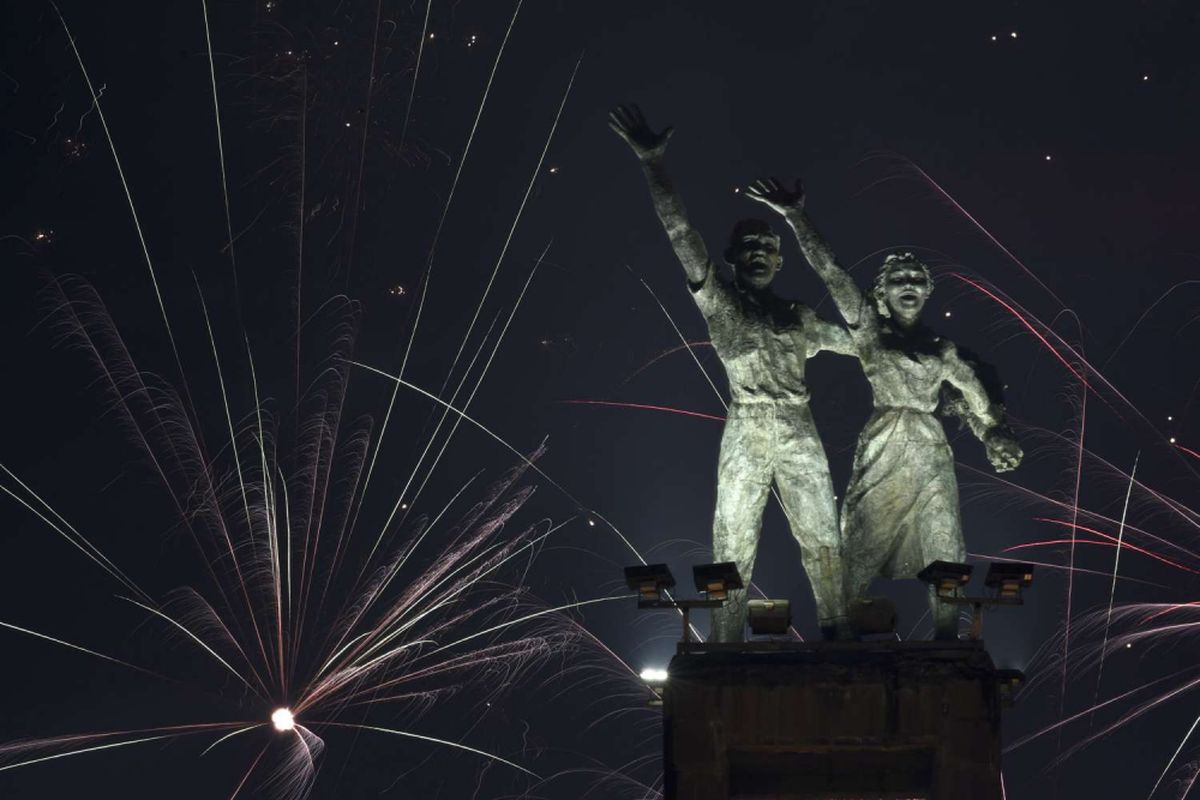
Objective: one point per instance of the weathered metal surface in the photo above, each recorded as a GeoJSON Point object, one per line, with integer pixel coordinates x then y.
{"type": "Point", "coordinates": [897, 720]}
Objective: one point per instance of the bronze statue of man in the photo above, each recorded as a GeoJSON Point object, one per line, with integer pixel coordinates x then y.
{"type": "Point", "coordinates": [763, 342]}
{"type": "Point", "coordinates": [901, 508]}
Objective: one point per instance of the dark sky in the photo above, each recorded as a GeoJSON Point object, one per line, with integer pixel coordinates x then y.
{"type": "Point", "coordinates": [1065, 131]}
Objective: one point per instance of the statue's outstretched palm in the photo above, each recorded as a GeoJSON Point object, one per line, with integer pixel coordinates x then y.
{"type": "Point", "coordinates": [771, 192]}
{"type": "Point", "coordinates": [629, 123]}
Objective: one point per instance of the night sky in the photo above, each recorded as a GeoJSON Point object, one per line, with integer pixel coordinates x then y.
{"type": "Point", "coordinates": [1040, 157]}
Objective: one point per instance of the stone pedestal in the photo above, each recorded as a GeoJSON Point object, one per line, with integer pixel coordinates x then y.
{"type": "Point", "coordinates": [895, 721]}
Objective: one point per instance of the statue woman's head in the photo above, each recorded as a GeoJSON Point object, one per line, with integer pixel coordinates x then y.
{"type": "Point", "coordinates": [901, 288]}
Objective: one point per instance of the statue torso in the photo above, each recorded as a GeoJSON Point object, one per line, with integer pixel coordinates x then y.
{"type": "Point", "coordinates": [760, 339]}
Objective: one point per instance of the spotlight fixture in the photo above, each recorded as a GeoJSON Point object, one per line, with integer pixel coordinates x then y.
{"type": "Point", "coordinates": [1007, 579]}
{"type": "Point", "coordinates": [717, 580]}
{"type": "Point", "coordinates": [649, 581]}
{"type": "Point", "coordinates": [946, 577]}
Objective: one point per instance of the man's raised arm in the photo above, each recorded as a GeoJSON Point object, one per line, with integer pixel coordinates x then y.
{"type": "Point", "coordinates": [629, 123]}
{"type": "Point", "coordinates": [790, 203]}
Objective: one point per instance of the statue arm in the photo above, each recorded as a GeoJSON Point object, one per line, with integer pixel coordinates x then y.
{"type": "Point", "coordinates": [983, 416]}
{"type": "Point", "coordinates": [687, 243]}
{"type": "Point", "coordinates": [822, 335]}
{"type": "Point", "coordinates": [790, 204]}
{"type": "Point", "coordinates": [845, 293]}
{"type": "Point", "coordinates": [630, 124]}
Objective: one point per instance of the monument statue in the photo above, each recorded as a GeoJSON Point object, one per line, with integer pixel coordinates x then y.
{"type": "Point", "coordinates": [901, 508]}
{"type": "Point", "coordinates": [763, 342]}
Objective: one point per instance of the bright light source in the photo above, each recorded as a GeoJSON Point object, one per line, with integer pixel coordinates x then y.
{"type": "Point", "coordinates": [283, 720]}
{"type": "Point", "coordinates": [652, 675]}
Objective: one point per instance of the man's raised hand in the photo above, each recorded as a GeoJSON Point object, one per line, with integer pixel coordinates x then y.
{"type": "Point", "coordinates": [629, 123]}
{"type": "Point", "coordinates": [771, 192]}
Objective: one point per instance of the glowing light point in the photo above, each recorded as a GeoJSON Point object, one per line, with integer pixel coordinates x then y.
{"type": "Point", "coordinates": [995, 38]}
{"type": "Point", "coordinates": [1145, 77]}
{"type": "Point", "coordinates": [283, 720]}
{"type": "Point", "coordinates": [591, 523]}
{"type": "Point", "coordinates": [1013, 34]}
{"type": "Point", "coordinates": [432, 36]}
{"type": "Point", "coordinates": [652, 675]}
{"type": "Point", "coordinates": [947, 314]}
{"type": "Point", "coordinates": [1129, 645]}
{"type": "Point", "coordinates": [1170, 418]}
{"type": "Point", "coordinates": [404, 506]}
{"type": "Point", "coordinates": [1172, 440]}
{"type": "Point", "coordinates": [1047, 158]}
{"type": "Point", "coordinates": [554, 170]}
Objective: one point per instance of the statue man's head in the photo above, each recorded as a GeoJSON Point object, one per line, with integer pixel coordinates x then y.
{"type": "Point", "coordinates": [902, 286]}
{"type": "Point", "coordinates": [753, 252]}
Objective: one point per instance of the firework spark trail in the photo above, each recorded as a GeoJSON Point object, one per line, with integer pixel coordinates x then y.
{"type": "Point", "coordinates": [80, 648]}
{"type": "Point", "coordinates": [645, 407]}
{"type": "Point", "coordinates": [1111, 543]}
{"type": "Point", "coordinates": [231, 735]}
{"type": "Point", "coordinates": [300, 215]}
{"type": "Point", "coordinates": [249, 772]}
{"type": "Point", "coordinates": [493, 559]}
{"type": "Point", "coordinates": [1084, 366]}
{"type": "Point", "coordinates": [1178, 509]}
{"type": "Point", "coordinates": [362, 150]}
{"type": "Point", "coordinates": [1026, 739]}
{"type": "Point", "coordinates": [1062, 567]}
{"type": "Point", "coordinates": [668, 352]}
{"type": "Point", "coordinates": [372, 593]}
{"type": "Point", "coordinates": [433, 740]}
{"type": "Point", "coordinates": [241, 483]}
{"type": "Point", "coordinates": [1142, 318]}
{"type": "Point", "coordinates": [1109, 540]}
{"type": "Point", "coordinates": [1011, 308]}
{"type": "Point", "coordinates": [428, 271]}
{"type": "Point", "coordinates": [478, 381]}
{"type": "Point", "coordinates": [401, 503]}
{"type": "Point", "coordinates": [412, 89]}
{"type": "Point", "coordinates": [495, 437]}
{"type": "Point", "coordinates": [163, 615]}
{"type": "Point", "coordinates": [985, 231]}
{"type": "Point", "coordinates": [682, 338]}
{"type": "Point", "coordinates": [212, 72]}
{"type": "Point", "coordinates": [79, 540]}
{"type": "Point", "coordinates": [516, 220]}
{"type": "Point", "coordinates": [272, 523]}
{"type": "Point", "coordinates": [1171, 762]}
{"type": "Point", "coordinates": [124, 185]}
{"type": "Point", "coordinates": [1188, 450]}
{"type": "Point", "coordinates": [172, 731]}
{"type": "Point", "coordinates": [88, 322]}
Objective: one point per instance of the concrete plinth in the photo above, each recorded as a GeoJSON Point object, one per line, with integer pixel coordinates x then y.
{"type": "Point", "coordinates": [892, 721]}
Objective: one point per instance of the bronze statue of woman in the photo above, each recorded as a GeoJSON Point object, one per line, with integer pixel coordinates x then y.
{"type": "Point", "coordinates": [901, 508]}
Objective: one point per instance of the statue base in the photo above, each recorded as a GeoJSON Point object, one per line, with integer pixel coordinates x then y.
{"type": "Point", "coordinates": [824, 720]}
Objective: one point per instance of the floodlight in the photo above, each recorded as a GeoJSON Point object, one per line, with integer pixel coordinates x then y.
{"type": "Point", "coordinates": [717, 580]}
{"type": "Point", "coordinates": [769, 617]}
{"type": "Point", "coordinates": [653, 676]}
{"type": "Point", "coordinates": [1008, 578]}
{"type": "Point", "coordinates": [946, 577]}
{"type": "Point", "coordinates": [649, 581]}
